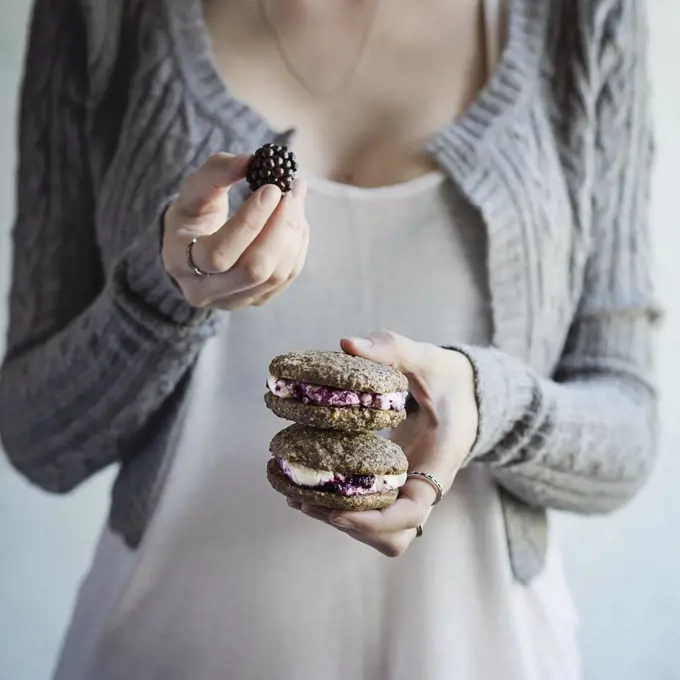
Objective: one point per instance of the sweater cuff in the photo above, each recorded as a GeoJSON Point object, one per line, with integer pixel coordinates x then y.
{"type": "Point", "coordinates": [505, 389]}
{"type": "Point", "coordinates": [148, 280]}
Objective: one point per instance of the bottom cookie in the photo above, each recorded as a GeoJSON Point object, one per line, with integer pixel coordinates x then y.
{"type": "Point", "coordinates": [300, 494]}
{"type": "Point", "coordinates": [343, 418]}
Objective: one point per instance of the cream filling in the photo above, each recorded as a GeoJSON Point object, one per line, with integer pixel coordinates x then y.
{"type": "Point", "coordinates": [383, 402]}
{"type": "Point", "coordinates": [271, 384]}
{"type": "Point", "coordinates": [306, 476]}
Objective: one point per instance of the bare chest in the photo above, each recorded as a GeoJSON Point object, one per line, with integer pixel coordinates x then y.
{"type": "Point", "coordinates": [364, 90]}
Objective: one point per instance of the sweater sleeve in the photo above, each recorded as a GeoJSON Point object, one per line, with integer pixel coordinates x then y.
{"type": "Point", "coordinates": [90, 358]}
{"type": "Point", "coordinates": [585, 440]}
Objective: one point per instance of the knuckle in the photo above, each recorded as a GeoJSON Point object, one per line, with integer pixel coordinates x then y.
{"type": "Point", "coordinates": [210, 260]}
{"type": "Point", "coordinates": [394, 548]}
{"type": "Point", "coordinates": [216, 160]}
{"type": "Point", "coordinates": [278, 278]}
{"type": "Point", "coordinates": [256, 272]}
{"type": "Point", "coordinates": [251, 223]}
{"type": "Point", "coordinates": [187, 206]}
{"type": "Point", "coordinates": [290, 222]}
{"type": "Point", "coordinates": [297, 270]}
{"type": "Point", "coordinates": [387, 336]}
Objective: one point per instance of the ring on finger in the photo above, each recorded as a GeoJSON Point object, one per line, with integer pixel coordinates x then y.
{"type": "Point", "coordinates": [419, 531]}
{"type": "Point", "coordinates": [432, 481]}
{"type": "Point", "coordinates": [190, 260]}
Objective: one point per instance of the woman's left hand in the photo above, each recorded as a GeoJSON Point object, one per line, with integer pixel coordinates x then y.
{"type": "Point", "coordinates": [436, 438]}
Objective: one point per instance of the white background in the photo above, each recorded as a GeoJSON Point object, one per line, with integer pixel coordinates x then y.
{"type": "Point", "coordinates": [624, 570]}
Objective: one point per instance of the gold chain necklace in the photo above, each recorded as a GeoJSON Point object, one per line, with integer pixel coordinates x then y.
{"type": "Point", "coordinates": [295, 72]}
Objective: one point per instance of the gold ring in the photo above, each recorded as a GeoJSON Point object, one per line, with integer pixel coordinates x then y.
{"type": "Point", "coordinates": [419, 531]}
{"type": "Point", "coordinates": [190, 259]}
{"type": "Point", "coordinates": [432, 481]}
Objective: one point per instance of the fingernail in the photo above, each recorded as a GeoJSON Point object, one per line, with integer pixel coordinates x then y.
{"type": "Point", "coordinates": [362, 343]}
{"type": "Point", "coordinates": [270, 193]}
{"type": "Point", "coordinates": [341, 522]}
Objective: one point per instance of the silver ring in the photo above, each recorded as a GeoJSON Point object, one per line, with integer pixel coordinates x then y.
{"type": "Point", "coordinates": [432, 481]}
{"type": "Point", "coordinates": [419, 531]}
{"type": "Point", "coordinates": [190, 259]}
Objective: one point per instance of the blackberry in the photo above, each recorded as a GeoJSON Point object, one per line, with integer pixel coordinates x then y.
{"type": "Point", "coordinates": [272, 164]}
{"type": "Point", "coordinates": [334, 486]}
{"type": "Point", "coordinates": [361, 481]}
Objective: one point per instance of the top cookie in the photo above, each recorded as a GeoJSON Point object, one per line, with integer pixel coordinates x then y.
{"type": "Point", "coordinates": [320, 449]}
{"type": "Point", "coordinates": [337, 369]}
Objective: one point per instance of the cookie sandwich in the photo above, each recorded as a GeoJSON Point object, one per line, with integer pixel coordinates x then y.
{"type": "Point", "coordinates": [334, 469]}
{"type": "Point", "coordinates": [334, 390]}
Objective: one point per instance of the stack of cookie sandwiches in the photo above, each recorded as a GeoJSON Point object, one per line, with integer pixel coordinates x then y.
{"type": "Point", "coordinates": [331, 456]}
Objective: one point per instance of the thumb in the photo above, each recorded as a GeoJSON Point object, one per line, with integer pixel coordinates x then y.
{"type": "Point", "coordinates": [385, 347]}
{"type": "Point", "coordinates": [204, 192]}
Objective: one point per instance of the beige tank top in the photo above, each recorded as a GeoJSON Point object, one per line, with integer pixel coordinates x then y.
{"type": "Point", "coordinates": [231, 584]}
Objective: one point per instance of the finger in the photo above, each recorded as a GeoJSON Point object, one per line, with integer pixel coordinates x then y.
{"type": "Point", "coordinates": [283, 270]}
{"type": "Point", "coordinates": [280, 238]}
{"type": "Point", "coordinates": [294, 273]}
{"type": "Point", "coordinates": [248, 263]}
{"type": "Point", "coordinates": [256, 272]}
{"type": "Point", "coordinates": [204, 191]}
{"type": "Point", "coordinates": [219, 252]}
{"type": "Point", "coordinates": [410, 510]}
{"type": "Point", "coordinates": [260, 295]}
{"type": "Point", "coordinates": [233, 303]}
{"type": "Point", "coordinates": [390, 545]}
{"type": "Point", "coordinates": [302, 253]}
{"type": "Point", "coordinates": [402, 515]}
{"type": "Point", "coordinates": [316, 512]}
{"type": "Point", "coordinates": [389, 348]}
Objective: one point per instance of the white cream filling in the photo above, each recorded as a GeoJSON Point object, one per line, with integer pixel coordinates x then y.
{"type": "Point", "coordinates": [306, 476]}
{"type": "Point", "coordinates": [271, 383]}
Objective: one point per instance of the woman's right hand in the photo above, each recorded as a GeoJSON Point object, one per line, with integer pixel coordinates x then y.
{"type": "Point", "coordinates": [252, 256]}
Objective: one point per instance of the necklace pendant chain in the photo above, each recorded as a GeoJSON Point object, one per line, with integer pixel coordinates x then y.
{"type": "Point", "coordinates": [295, 71]}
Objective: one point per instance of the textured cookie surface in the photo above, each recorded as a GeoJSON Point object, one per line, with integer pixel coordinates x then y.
{"type": "Point", "coordinates": [281, 483]}
{"type": "Point", "coordinates": [337, 369]}
{"type": "Point", "coordinates": [347, 418]}
{"type": "Point", "coordinates": [361, 454]}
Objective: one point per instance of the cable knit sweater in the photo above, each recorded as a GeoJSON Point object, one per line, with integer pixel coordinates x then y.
{"type": "Point", "coordinates": [122, 99]}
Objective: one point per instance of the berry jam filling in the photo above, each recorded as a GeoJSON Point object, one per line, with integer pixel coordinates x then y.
{"type": "Point", "coordinates": [349, 485]}
{"type": "Point", "coordinates": [319, 395]}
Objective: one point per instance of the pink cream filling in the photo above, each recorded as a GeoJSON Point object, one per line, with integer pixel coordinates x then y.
{"type": "Point", "coordinates": [332, 396]}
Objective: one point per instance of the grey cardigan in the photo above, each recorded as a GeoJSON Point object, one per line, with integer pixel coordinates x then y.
{"type": "Point", "coordinates": [122, 99]}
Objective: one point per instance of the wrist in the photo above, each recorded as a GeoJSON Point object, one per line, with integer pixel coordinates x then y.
{"type": "Point", "coordinates": [148, 279]}
{"type": "Point", "coordinates": [502, 387]}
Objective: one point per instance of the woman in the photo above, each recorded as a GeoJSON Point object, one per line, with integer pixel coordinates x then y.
{"type": "Point", "coordinates": [474, 179]}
